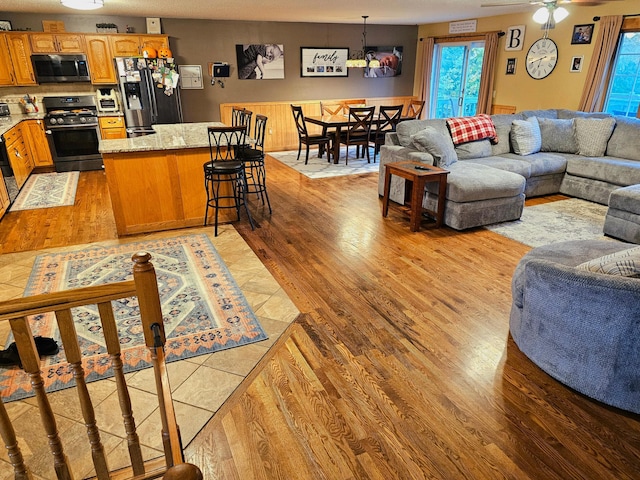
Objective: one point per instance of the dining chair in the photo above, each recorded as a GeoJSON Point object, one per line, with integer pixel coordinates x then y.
{"type": "Point", "coordinates": [354, 102]}
{"type": "Point", "coordinates": [331, 108]}
{"type": "Point", "coordinates": [387, 120]}
{"type": "Point", "coordinates": [253, 158]}
{"type": "Point", "coordinates": [414, 109]}
{"type": "Point", "coordinates": [323, 141]}
{"type": "Point", "coordinates": [358, 129]}
{"type": "Point", "coordinates": [70, 308]}
{"type": "Point", "coordinates": [225, 178]}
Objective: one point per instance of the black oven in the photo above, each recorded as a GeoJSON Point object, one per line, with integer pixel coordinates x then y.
{"type": "Point", "coordinates": [73, 132]}
{"type": "Point", "coordinates": [75, 147]}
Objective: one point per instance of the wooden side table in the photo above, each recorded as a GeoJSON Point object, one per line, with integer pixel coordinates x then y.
{"type": "Point", "coordinates": [414, 189]}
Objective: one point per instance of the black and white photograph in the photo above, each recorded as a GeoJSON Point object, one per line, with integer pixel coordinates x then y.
{"type": "Point", "coordinates": [390, 59]}
{"type": "Point", "coordinates": [5, 25]}
{"type": "Point", "coordinates": [582, 34]}
{"type": "Point", "coordinates": [511, 66]}
{"type": "Point", "coordinates": [576, 64]}
{"type": "Point", "coordinates": [323, 62]}
{"type": "Point", "coordinates": [260, 61]}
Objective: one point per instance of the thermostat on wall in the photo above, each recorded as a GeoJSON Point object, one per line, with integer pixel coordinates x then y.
{"type": "Point", "coordinates": [153, 25]}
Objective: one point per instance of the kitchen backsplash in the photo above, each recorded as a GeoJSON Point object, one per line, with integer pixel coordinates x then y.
{"type": "Point", "coordinates": [12, 95]}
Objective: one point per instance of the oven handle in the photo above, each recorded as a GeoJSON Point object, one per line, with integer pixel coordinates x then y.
{"type": "Point", "coordinates": [62, 127]}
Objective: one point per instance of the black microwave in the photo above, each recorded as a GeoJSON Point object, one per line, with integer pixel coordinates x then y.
{"type": "Point", "coordinates": [60, 68]}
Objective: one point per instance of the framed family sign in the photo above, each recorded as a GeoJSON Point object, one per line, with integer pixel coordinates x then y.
{"type": "Point", "coordinates": [323, 62]}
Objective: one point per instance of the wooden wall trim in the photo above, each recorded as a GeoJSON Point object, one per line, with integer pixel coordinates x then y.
{"type": "Point", "coordinates": [281, 129]}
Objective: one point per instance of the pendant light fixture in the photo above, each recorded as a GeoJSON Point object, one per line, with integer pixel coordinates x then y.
{"type": "Point", "coordinates": [362, 58]}
{"type": "Point", "coordinates": [83, 4]}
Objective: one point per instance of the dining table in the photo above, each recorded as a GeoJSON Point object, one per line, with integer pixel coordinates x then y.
{"type": "Point", "coordinates": [336, 123]}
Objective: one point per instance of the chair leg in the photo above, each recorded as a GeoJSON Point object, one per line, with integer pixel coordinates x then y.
{"type": "Point", "coordinates": [243, 179]}
{"type": "Point", "coordinates": [306, 160]}
{"type": "Point", "coordinates": [299, 150]}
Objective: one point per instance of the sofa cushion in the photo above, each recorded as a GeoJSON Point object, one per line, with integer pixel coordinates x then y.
{"type": "Point", "coordinates": [625, 139]}
{"type": "Point", "coordinates": [502, 123]}
{"type": "Point", "coordinates": [477, 149]}
{"type": "Point", "coordinates": [438, 145]}
{"type": "Point", "coordinates": [617, 171]}
{"type": "Point", "coordinates": [525, 136]}
{"type": "Point", "coordinates": [516, 165]}
{"type": "Point", "coordinates": [558, 135]}
{"type": "Point", "coordinates": [469, 129]}
{"type": "Point", "coordinates": [564, 113]}
{"type": "Point", "coordinates": [592, 135]}
{"type": "Point", "coordinates": [405, 129]}
{"type": "Point", "coordinates": [625, 263]}
{"type": "Point", "coordinates": [541, 163]}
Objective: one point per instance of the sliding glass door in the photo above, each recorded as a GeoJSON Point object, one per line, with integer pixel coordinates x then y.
{"type": "Point", "coordinates": [457, 69]}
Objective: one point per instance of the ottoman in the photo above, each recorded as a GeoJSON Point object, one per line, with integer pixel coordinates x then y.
{"type": "Point", "coordinates": [479, 195]}
{"type": "Point", "coordinates": [623, 216]}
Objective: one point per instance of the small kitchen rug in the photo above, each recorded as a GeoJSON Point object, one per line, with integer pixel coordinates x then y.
{"type": "Point", "coordinates": [46, 190]}
{"type": "Point", "coordinates": [202, 306]}
{"type": "Point", "coordinates": [320, 168]}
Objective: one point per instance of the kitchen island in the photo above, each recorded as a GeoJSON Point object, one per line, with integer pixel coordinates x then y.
{"type": "Point", "coordinates": [156, 181]}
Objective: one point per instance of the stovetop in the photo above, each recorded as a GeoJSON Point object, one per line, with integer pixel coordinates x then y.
{"type": "Point", "coordinates": [70, 110]}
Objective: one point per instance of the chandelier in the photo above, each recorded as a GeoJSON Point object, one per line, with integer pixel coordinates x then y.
{"type": "Point", "coordinates": [362, 58]}
{"type": "Point", "coordinates": [83, 4]}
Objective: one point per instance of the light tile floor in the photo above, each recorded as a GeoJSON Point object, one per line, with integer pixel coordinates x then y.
{"type": "Point", "coordinates": [200, 385]}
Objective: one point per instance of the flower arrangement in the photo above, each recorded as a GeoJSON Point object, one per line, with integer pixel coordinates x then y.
{"type": "Point", "coordinates": [29, 104]}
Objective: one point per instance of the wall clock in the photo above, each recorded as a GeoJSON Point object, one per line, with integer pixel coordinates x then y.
{"type": "Point", "coordinates": [542, 58]}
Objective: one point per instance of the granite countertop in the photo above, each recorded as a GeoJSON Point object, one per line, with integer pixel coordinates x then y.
{"type": "Point", "coordinates": [167, 137]}
{"type": "Point", "coordinates": [10, 121]}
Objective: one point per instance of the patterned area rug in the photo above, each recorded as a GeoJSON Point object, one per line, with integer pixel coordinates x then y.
{"type": "Point", "coordinates": [571, 219]}
{"type": "Point", "coordinates": [203, 308]}
{"type": "Point", "coordinates": [320, 168]}
{"type": "Point", "coordinates": [46, 190]}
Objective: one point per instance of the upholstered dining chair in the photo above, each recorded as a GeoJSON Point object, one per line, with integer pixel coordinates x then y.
{"type": "Point", "coordinates": [358, 129]}
{"type": "Point", "coordinates": [323, 141]}
{"type": "Point", "coordinates": [387, 120]}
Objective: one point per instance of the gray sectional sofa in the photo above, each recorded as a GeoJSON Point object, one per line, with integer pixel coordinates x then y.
{"type": "Point", "coordinates": [584, 155]}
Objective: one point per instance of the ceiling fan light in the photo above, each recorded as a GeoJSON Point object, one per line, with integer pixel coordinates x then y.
{"type": "Point", "coordinates": [541, 16]}
{"type": "Point", "coordinates": [83, 4]}
{"type": "Point", "coordinates": [560, 14]}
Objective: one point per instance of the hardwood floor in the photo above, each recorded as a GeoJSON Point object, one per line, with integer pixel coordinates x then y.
{"type": "Point", "coordinates": [401, 364]}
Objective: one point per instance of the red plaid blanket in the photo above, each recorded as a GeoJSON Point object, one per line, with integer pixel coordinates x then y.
{"type": "Point", "coordinates": [468, 129]}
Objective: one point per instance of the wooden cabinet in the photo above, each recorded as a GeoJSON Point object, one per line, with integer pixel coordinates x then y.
{"type": "Point", "coordinates": [19, 155]}
{"type": "Point", "coordinates": [15, 55]}
{"type": "Point", "coordinates": [4, 198]}
{"type": "Point", "coordinates": [100, 59]}
{"type": "Point", "coordinates": [57, 43]}
{"type": "Point", "coordinates": [112, 127]}
{"type": "Point", "coordinates": [132, 45]}
{"type": "Point", "coordinates": [33, 133]}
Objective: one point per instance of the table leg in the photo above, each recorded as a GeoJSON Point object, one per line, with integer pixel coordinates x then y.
{"type": "Point", "coordinates": [387, 188]}
{"type": "Point", "coordinates": [416, 203]}
{"type": "Point", "coordinates": [442, 192]}
{"type": "Point", "coordinates": [336, 145]}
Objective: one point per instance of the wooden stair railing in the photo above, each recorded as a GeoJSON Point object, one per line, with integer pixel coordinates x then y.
{"type": "Point", "coordinates": [144, 287]}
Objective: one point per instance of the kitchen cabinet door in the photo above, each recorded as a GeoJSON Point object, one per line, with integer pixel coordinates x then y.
{"type": "Point", "coordinates": [20, 161]}
{"type": "Point", "coordinates": [20, 51]}
{"type": "Point", "coordinates": [154, 41]}
{"type": "Point", "coordinates": [125, 45]}
{"type": "Point", "coordinates": [100, 60]}
{"type": "Point", "coordinates": [60, 43]}
{"type": "Point", "coordinates": [4, 198]}
{"type": "Point", "coordinates": [6, 69]}
{"type": "Point", "coordinates": [112, 128]}
{"type": "Point", "coordinates": [33, 133]}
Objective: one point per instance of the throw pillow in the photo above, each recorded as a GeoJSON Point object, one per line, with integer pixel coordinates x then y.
{"type": "Point", "coordinates": [477, 149]}
{"type": "Point", "coordinates": [625, 263]}
{"type": "Point", "coordinates": [438, 145]}
{"type": "Point", "coordinates": [558, 135]}
{"type": "Point", "coordinates": [592, 135]}
{"type": "Point", "coordinates": [469, 129]}
{"type": "Point", "coordinates": [525, 136]}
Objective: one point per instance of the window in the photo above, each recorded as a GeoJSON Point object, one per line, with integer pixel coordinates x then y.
{"type": "Point", "coordinates": [623, 97]}
{"type": "Point", "coordinates": [456, 79]}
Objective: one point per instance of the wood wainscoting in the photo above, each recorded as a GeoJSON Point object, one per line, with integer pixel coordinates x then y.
{"type": "Point", "coordinates": [281, 129]}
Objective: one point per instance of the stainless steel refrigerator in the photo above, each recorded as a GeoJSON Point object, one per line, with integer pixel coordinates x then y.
{"type": "Point", "coordinates": [149, 93]}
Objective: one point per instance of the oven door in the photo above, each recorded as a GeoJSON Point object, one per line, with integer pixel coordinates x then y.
{"type": "Point", "coordinates": [75, 148]}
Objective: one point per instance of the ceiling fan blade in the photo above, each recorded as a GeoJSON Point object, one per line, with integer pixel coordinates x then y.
{"type": "Point", "coordinates": [510, 4]}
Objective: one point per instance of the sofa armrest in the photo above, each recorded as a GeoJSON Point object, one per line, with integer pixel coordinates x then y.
{"type": "Point", "coordinates": [391, 138]}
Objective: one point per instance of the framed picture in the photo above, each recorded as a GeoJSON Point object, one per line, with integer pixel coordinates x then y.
{"type": "Point", "coordinates": [390, 59]}
{"type": "Point", "coordinates": [5, 25]}
{"type": "Point", "coordinates": [260, 61]}
{"type": "Point", "coordinates": [511, 66]}
{"type": "Point", "coordinates": [582, 34]}
{"type": "Point", "coordinates": [576, 64]}
{"type": "Point", "coordinates": [323, 62]}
